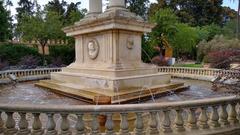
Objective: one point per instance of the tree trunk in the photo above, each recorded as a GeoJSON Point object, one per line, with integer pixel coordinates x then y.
{"type": "Point", "coordinates": [43, 53]}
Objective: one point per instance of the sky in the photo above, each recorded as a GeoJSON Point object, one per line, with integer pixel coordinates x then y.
{"type": "Point", "coordinates": [85, 4]}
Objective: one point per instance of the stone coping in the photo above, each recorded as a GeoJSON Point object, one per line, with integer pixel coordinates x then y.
{"type": "Point", "coordinates": [118, 108]}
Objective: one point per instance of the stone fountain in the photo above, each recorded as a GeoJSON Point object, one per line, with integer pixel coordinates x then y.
{"type": "Point", "coordinates": [108, 58]}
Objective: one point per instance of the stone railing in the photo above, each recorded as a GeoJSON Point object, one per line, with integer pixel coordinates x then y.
{"type": "Point", "coordinates": [197, 73]}
{"type": "Point", "coordinates": [28, 74]}
{"type": "Point", "coordinates": [216, 116]}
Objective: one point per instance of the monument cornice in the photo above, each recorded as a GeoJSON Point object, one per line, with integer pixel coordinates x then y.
{"type": "Point", "coordinates": [121, 20]}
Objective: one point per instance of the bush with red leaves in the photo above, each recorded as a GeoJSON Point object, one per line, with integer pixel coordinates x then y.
{"type": "Point", "coordinates": [160, 61]}
{"type": "Point", "coordinates": [223, 59]}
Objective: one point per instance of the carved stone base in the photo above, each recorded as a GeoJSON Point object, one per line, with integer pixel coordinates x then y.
{"type": "Point", "coordinates": [10, 131]}
{"type": "Point", "coordinates": [126, 95]}
{"type": "Point", "coordinates": [23, 132]}
{"type": "Point", "coordinates": [53, 132]}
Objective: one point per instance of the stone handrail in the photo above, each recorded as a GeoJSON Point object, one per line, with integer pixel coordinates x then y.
{"type": "Point", "coordinates": [28, 72]}
{"type": "Point", "coordinates": [176, 71]}
{"type": "Point", "coordinates": [206, 116]}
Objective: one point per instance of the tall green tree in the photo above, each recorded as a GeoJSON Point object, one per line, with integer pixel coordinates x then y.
{"type": "Point", "coordinates": [57, 6]}
{"type": "Point", "coordinates": [5, 23]}
{"type": "Point", "coordinates": [140, 7]}
{"type": "Point", "coordinates": [73, 13]}
{"type": "Point", "coordinates": [193, 12]}
{"type": "Point", "coordinates": [42, 27]}
{"type": "Point", "coordinates": [25, 8]}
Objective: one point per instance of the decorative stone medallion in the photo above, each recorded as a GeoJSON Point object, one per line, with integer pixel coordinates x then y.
{"type": "Point", "coordinates": [93, 49]}
{"type": "Point", "coordinates": [130, 43]}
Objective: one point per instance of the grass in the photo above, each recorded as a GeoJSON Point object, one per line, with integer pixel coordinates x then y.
{"type": "Point", "coordinates": [190, 65]}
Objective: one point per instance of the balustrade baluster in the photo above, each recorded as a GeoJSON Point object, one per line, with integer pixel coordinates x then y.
{"type": "Point", "coordinates": [139, 125]}
{"type": "Point", "coordinates": [109, 125]}
{"type": "Point", "coordinates": [192, 120]}
{"type": "Point", "coordinates": [95, 125]}
{"type": "Point", "coordinates": [233, 114]}
{"type": "Point", "coordinates": [23, 125]}
{"type": "Point", "coordinates": [124, 124]}
{"type": "Point", "coordinates": [203, 119]}
{"type": "Point", "coordinates": [153, 130]}
{"type": "Point", "coordinates": [65, 127]}
{"type": "Point", "coordinates": [51, 125]}
{"type": "Point", "coordinates": [166, 124]}
{"type": "Point", "coordinates": [179, 121]}
{"type": "Point", "coordinates": [224, 116]}
{"type": "Point", "coordinates": [10, 124]}
{"type": "Point", "coordinates": [214, 117]}
{"type": "Point", "coordinates": [80, 126]}
{"type": "Point", "coordinates": [1, 124]}
{"type": "Point", "coordinates": [37, 125]}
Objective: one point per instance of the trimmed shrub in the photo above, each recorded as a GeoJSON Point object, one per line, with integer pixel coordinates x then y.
{"type": "Point", "coordinates": [63, 52]}
{"type": "Point", "coordinates": [14, 53]}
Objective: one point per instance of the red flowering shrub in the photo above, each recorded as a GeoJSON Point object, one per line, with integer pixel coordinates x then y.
{"type": "Point", "coordinates": [223, 59]}
{"type": "Point", "coordinates": [157, 60]}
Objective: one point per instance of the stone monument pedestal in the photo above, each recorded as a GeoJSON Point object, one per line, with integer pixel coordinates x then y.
{"type": "Point", "coordinates": [108, 59]}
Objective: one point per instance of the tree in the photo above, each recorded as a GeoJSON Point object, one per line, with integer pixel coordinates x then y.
{"type": "Point", "coordinates": [25, 8]}
{"type": "Point", "coordinates": [57, 7]}
{"type": "Point", "coordinates": [73, 14]}
{"type": "Point", "coordinates": [230, 29]}
{"type": "Point", "coordinates": [193, 12]}
{"type": "Point", "coordinates": [140, 7]}
{"type": "Point", "coordinates": [166, 22]}
{"type": "Point", "coordinates": [42, 27]}
{"type": "Point", "coordinates": [5, 21]}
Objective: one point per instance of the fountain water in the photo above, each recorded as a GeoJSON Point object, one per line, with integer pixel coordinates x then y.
{"type": "Point", "coordinates": [107, 50]}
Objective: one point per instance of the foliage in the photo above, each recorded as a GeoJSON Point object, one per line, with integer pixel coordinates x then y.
{"type": "Point", "coordinates": [29, 62]}
{"type": "Point", "coordinates": [229, 29]}
{"type": "Point", "coordinates": [3, 64]}
{"type": "Point", "coordinates": [189, 65]}
{"type": "Point", "coordinates": [63, 53]}
{"type": "Point", "coordinates": [185, 40]}
{"type": "Point", "coordinates": [13, 53]}
{"type": "Point", "coordinates": [5, 23]}
{"type": "Point", "coordinates": [73, 14]}
{"type": "Point", "coordinates": [25, 8]}
{"type": "Point", "coordinates": [182, 37]}
{"type": "Point", "coordinates": [42, 27]}
{"type": "Point", "coordinates": [211, 30]}
{"type": "Point", "coordinates": [193, 12]}
{"type": "Point", "coordinates": [218, 43]}
{"type": "Point", "coordinates": [166, 22]}
{"type": "Point", "coordinates": [223, 59]}
{"type": "Point", "coordinates": [140, 7]}
{"type": "Point", "coordinates": [148, 51]}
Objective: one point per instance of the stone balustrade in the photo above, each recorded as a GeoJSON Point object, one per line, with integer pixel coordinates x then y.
{"type": "Point", "coordinates": [193, 73]}
{"type": "Point", "coordinates": [198, 73]}
{"type": "Point", "coordinates": [207, 116]}
{"type": "Point", "coordinates": [28, 74]}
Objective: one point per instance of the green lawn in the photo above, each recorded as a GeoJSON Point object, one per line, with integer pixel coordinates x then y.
{"type": "Point", "coordinates": [189, 65]}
